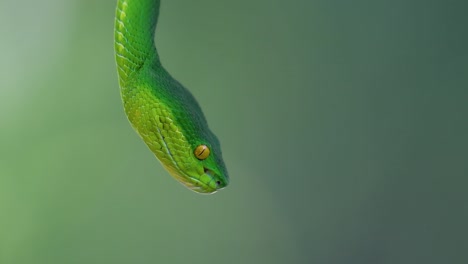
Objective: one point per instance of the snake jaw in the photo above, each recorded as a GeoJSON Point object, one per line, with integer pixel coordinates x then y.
{"type": "Point", "coordinates": [218, 183]}
{"type": "Point", "coordinates": [209, 182]}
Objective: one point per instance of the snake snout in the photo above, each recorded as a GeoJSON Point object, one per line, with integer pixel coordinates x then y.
{"type": "Point", "coordinates": [216, 181]}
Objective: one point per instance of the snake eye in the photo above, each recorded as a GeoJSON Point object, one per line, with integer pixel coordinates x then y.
{"type": "Point", "coordinates": [202, 152]}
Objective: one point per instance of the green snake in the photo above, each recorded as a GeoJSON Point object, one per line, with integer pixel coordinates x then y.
{"type": "Point", "coordinates": [162, 111]}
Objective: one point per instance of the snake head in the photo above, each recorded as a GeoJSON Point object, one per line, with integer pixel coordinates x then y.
{"type": "Point", "coordinates": [181, 140]}
{"type": "Point", "coordinates": [202, 172]}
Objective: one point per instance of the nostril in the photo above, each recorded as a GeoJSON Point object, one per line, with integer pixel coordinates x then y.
{"type": "Point", "coordinates": [219, 184]}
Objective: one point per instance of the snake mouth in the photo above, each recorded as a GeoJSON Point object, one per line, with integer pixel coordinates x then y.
{"type": "Point", "coordinates": [207, 183]}
{"type": "Point", "coordinates": [214, 178]}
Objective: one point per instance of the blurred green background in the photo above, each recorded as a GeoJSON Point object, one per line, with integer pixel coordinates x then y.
{"type": "Point", "coordinates": [343, 126]}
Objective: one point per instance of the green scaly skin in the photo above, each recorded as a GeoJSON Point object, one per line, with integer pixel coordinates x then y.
{"type": "Point", "coordinates": [160, 109]}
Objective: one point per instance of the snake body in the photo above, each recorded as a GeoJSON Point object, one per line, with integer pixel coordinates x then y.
{"type": "Point", "coordinates": [163, 112]}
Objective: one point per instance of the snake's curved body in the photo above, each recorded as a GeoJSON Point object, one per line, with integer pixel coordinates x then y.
{"type": "Point", "coordinates": [160, 109]}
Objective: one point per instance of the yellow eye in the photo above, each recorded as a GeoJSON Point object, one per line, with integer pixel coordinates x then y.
{"type": "Point", "coordinates": [202, 152]}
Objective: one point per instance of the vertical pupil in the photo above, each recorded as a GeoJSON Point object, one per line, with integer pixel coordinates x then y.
{"type": "Point", "coordinates": [202, 152]}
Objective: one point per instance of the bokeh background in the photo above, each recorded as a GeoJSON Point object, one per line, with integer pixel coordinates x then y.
{"type": "Point", "coordinates": [343, 126]}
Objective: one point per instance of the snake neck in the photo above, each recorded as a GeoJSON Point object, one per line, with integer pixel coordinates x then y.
{"type": "Point", "coordinates": [135, 24]}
